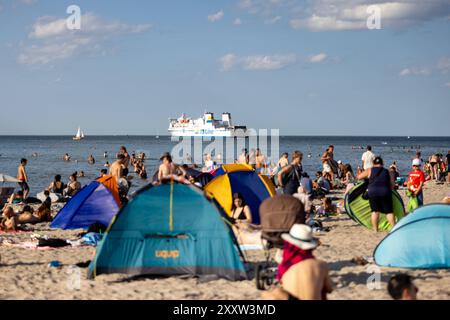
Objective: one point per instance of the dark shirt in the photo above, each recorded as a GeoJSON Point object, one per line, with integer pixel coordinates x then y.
{"type": "Point", "coordinates": [379, 182]}
{"type": "Point", "coordinates": [293, 180]}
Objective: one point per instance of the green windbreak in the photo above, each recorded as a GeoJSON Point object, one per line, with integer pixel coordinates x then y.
{"type": "Point", "coordinates": [359, 210]}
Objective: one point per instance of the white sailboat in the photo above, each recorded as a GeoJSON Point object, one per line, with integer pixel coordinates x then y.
{"type": "Point", "coordinates": [79, 135]}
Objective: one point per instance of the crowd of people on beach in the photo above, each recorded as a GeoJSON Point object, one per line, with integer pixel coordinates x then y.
{"type": "Point", "coordinates": [300, 274]}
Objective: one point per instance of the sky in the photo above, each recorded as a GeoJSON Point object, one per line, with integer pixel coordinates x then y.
{"type": "Point", "coordinates": [306, 67]}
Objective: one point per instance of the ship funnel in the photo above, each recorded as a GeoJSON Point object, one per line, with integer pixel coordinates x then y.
{"type": "Point", "coordinates": [226, 118]}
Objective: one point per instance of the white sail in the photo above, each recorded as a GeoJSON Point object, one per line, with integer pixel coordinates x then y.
{"type": "Point", "coordinates": [78, 135]}
{"type": "Point", "coordinates": [82, 134]}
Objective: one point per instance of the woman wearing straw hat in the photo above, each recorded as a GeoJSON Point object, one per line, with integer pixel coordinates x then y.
{"type": "Point", "coordinates": [301, 275]}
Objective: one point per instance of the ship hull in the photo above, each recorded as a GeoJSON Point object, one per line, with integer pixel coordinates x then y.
{"type": "Point", "coordinates": [205, 133]}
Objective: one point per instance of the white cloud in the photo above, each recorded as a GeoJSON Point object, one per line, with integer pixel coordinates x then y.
{"type": "Point", "coordinates": [321, 57]}
{"type": "Point", "coordinates": [264, 62]}
{"type": "Point", "coordinates": [216, 16]}
{"type": "Point", "coordinates": [257, 62]}
{"type": "Point", "coordinates": [318, 23]}
{"type": "Point", "coordinates": [336, 15]}
{"type": "Point", "coordinates": [237, 22]}
{"type": "Point", "coordinates": [228, 61]}
{"type": "Point", "coordinates": [273, 20]}
{"type": "Point", "coordinates": [415, 71]}
{"type": "Point", "coordinates": [265, 8]}
{"type": "Point", "coordinates": [52, 41]}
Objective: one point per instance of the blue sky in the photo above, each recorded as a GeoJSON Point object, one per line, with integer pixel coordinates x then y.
{"type": "Point", "coordinates": [307, 67]}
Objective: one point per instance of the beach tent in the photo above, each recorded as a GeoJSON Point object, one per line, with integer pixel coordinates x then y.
{"type": "Point", "coordinates": [232, 167]}
{"type": "Point", "coordinates": [98, 202]}
{"type": "Point", "coordinates": [421, 240]}
{"type": "Point", "coordinates": [359, 210]}
{"type": "Point", "coordinates": [169, 229]}
{"type": "Point", "coordinates": [253, 187]}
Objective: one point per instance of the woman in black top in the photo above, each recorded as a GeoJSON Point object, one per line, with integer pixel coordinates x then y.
{"type": "Point", "coordinates": [56, 186]}
{"type": "Point", "coordinates": [379, 192]}
{"type": "Point", "coordinates": [240, 212]}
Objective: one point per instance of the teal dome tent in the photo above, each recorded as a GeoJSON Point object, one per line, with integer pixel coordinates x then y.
{"type": "Point", "coordinates": [421, 240]}
{"type": "Point", "coordinates": [169, 229]}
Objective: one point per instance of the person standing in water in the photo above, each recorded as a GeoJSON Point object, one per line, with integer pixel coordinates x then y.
{"type": "Point", "coordinates": [23, 178]}
{"type": "Point", "coordinates": [126, 160]}
{"type": "Point", "coordinates": [380, 192]}
{"type": "Point", "coordinates": [116, 169]}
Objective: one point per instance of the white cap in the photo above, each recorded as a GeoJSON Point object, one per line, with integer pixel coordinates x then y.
{"type": "Point", "coordinates": [416, 162]}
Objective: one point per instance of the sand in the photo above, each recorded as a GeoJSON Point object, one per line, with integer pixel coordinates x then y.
{"type": "Point", "coordinates": [24, 273]}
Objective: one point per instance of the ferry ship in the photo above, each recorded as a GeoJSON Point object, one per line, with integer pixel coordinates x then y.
{"type": "Point", "coordinates": [205, 126]}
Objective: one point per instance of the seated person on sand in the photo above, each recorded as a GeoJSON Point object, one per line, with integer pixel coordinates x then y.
{"type": "Point", "coordinates": [16, 198]}
{"type": "Point", "coordinates": [327, 208]}
{"type": "Point", "coordinates": [73, 186]}
{"type": "Point", "coordinates": [8, 221]}
{"type": "Point", "coordinates": [304, 198]}
{"type": "Point", "coordinates": [57, 186]}
{"type": "Point", "coordinates": [402, 287]}
{"type": "Point", "coordinates": [241, 216]}
{"type": "Point", "coordinates": [321, 185]}
{"type": "Point", "coordinates": [301, 275]}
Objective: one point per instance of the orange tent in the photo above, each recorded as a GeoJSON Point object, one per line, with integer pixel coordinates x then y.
{"type": "Point", "coordinates": [111, 183]}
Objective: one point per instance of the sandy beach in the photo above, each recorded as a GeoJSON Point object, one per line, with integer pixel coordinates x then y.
{"type": "Point", "coordinates": [25, 273]}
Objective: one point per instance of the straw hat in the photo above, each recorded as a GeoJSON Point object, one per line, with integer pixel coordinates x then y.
{"type": "Point", "coordinates": [301, 236]}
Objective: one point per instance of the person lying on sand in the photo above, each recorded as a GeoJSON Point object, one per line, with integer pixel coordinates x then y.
{"type": "Point", "coordinates": [402, 287]}
{"type": "Point", "coordinates": [27, 216]}
{"type": "Point", "coordinates": [302, 276]}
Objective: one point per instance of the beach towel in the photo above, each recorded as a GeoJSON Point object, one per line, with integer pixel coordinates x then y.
{"type": "Point", "coordinates": [91, 238]}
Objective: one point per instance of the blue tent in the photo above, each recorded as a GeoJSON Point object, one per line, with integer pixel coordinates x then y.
{"type": "Point", "coordinates": [95, 203]}
{"type": "Point", "coordinates": [421, 240]}
{"type": "Point", "coordinates": [169, 229]}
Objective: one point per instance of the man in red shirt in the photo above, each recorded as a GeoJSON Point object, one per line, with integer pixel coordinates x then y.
{"type": "Point", "coordinates": [416, 180]}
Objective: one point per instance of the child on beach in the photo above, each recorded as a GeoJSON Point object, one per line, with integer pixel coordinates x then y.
{"type": "Point", "coordinates": [416, 180]}
{"type": "Point", "coordinates": [327, 208]}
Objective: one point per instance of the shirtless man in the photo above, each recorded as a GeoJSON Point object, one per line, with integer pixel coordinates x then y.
{"type": "Point", "coordinates": [23, 178]}
{"type": "Point", "coordinates": [116, 169]}
{"type": "Point", "coordinates": [167, 167]}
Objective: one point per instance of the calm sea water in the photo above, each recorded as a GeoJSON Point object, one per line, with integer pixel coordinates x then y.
{"type": "Point", "coordinates": [50, 149]}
